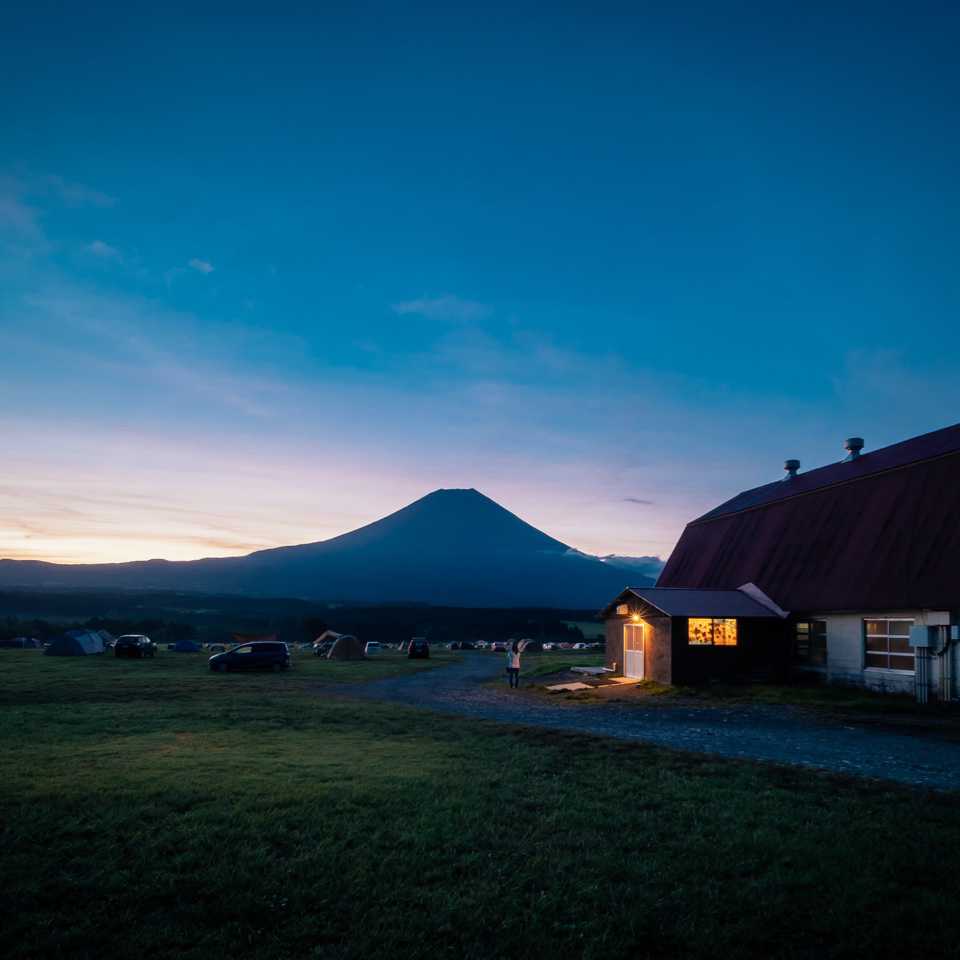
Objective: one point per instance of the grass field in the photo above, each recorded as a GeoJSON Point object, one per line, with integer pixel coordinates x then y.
{"type": "Point", "coordinates": [180, 675]}
{"type": "Point", "coordinates": [153, 810]}
{"type": "Point", "coordinates": [537, 665]}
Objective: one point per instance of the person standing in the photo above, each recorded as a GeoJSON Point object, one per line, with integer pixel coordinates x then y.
{"type": "Point", "coordinates": [513, 664]}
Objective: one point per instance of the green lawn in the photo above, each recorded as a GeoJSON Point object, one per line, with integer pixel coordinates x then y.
{"type": "Point", "coordinates": [555, 661]}
{"type": "Point", "coordinates": [153, 810]}
{"type": "Point", "coordinates": [179, 675]}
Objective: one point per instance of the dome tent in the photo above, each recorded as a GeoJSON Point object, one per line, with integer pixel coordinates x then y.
{"type": "Point", "coordinates": [20, 643]}
{"type": "Point", "coordinates": [346, 647]}
{"type": "Point", "coordinates": [75, 643]}
{"type": "Point", "coordinates": [186, 646]}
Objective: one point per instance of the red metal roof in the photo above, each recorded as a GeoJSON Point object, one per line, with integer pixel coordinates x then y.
{"type": "Point", "coordinates": [878, 533]}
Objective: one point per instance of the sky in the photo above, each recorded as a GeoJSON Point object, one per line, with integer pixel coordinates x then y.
{"type": "Point", "coordinates": [268, 274]}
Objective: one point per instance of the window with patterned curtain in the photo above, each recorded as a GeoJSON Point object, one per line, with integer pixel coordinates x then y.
{"type": "Point", "coordinates": [709, 632]}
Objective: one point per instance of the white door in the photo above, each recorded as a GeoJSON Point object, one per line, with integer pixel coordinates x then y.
{"type": "Point", "coordinates": [633, 638]}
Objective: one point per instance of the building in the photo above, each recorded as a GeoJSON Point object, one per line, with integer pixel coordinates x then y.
{"type": "Point", "coordinates": [864, 554]}
{"type": "Point", "coordinates": [681, 636]}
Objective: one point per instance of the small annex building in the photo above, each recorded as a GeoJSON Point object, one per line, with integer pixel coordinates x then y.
{"type": "Point", "coordinates": [686, 636]}
{"type": "Point", "coordinates": [76, 643]}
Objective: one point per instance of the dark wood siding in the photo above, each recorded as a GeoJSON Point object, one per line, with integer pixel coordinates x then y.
{"type": "Point", "coordinates": [762, 653]}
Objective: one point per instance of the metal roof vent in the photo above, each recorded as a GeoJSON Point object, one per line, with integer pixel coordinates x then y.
{"type": "Point", "coordinates": [853, 446]}
{"type": "Point", "coordinates": [791, 466]}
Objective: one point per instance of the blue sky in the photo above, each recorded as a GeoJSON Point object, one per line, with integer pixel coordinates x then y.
{"type": "Point", "coordinates": [267, 276]}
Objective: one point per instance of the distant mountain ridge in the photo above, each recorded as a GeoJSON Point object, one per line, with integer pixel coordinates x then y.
{"type": "Point", "coordinates": [454, 547]}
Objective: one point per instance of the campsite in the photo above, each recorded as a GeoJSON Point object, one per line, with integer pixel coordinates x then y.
{"type": "Point", "coordinates": [480, 482]}
{"type": "Point", "coordinates": [346, 817]}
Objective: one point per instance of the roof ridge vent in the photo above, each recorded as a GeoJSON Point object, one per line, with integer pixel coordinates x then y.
{"type": "Point", "coordinates": [853, 446]}
{"type": "Point", "coordinates": [791, 466]}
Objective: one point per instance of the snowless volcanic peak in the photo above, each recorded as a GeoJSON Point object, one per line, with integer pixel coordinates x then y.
{"type": "Point", "coordinates": [449, 520]}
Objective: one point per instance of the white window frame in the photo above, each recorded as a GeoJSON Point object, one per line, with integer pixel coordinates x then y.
{"type": "Point", "coordinates": [896, 671]}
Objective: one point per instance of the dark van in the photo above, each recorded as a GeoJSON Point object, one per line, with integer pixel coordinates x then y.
{"type": "Point", "coordinates": [419, 649]}
{"type": "Point", "coordinates": [258, 655]}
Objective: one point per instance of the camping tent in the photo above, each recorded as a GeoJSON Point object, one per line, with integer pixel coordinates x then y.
{"type": "Point", "coordinates": [186, 646]}
{"type": "Point", "coordinates": [75, 643]}
{"type": "Point", "coordinates": [346, 648]}
{"type": "Point", "coordinates": [20, 643]}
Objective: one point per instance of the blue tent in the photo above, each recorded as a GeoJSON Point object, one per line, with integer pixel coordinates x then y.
{"type": "Point", "coordinates": [75, 643]}
{"type": "Point", "coordinates": [20, 643]}
{"type": "Point", "coordinates": [186, 646]}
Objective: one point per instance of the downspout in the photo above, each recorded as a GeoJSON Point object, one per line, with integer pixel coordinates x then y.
{"type": "Point", "coordinates": [920, 639]}
{"type": "Point", "coordinates": [922, 676]}
{"type": "Point", "coordinates": [942, 650]}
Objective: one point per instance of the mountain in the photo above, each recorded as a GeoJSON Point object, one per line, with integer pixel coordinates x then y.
{"type": "Point", "coordinates": [648, 567]}
{"type": "Point", "coordinates": [454, 547]}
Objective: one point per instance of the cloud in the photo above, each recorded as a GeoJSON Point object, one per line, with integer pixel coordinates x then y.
{"type": "Point", "coordinates": [104, 250]}
{"type": "Point", "coordinates": [202, 265]}
{"type": "Point", "coordinates": [20, 227]}
{"type": "Point", "coordinates": [135, 338]}
{"type": "Point", "coordinates": [23, 201]}
{"type": "Point", "coordinates": [445, 307]}
{"type": "Point", "coordinates": [15, 215]}
{"type": "Point", "coordinates": [638, 500]}
{"type": "Point", "coordinates": [76, 194]}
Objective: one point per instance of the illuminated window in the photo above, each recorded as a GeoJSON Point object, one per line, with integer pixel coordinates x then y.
{"type": "Point", "coordinates": [810, 643]}
{"type": "Point", "coordinates": [622, 610]}
{"type": "Point", "coordinates": [887, 644]}
{"type": "Point", "coordinates": [704, 632]}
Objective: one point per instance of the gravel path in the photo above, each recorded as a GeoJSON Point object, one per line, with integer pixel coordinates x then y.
{"type": "Point", "coordinates": [777, 734]}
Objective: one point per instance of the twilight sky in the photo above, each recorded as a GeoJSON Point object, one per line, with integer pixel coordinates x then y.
{"type": "Point", "coordinates": [267, 276]}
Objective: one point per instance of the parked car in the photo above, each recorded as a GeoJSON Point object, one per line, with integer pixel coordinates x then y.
{"type": "Point", "coordinates": [419, 649]}
{"type": "Point", "coordinates": [581, 646]}
{"type": "Point", "coordinates": [549, 646]}
{"type": "Point", "coordinates": [257, 655]}
{"type": "Point", "coordinates": [499, 647]}
{"type": "Point", "coordinates": [372, 648]}
{"type": "Point", "coordinates": [134, 645]}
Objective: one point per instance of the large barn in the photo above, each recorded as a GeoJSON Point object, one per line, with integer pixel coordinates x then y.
{"type": "Point", "coordinates": [864, 554]}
